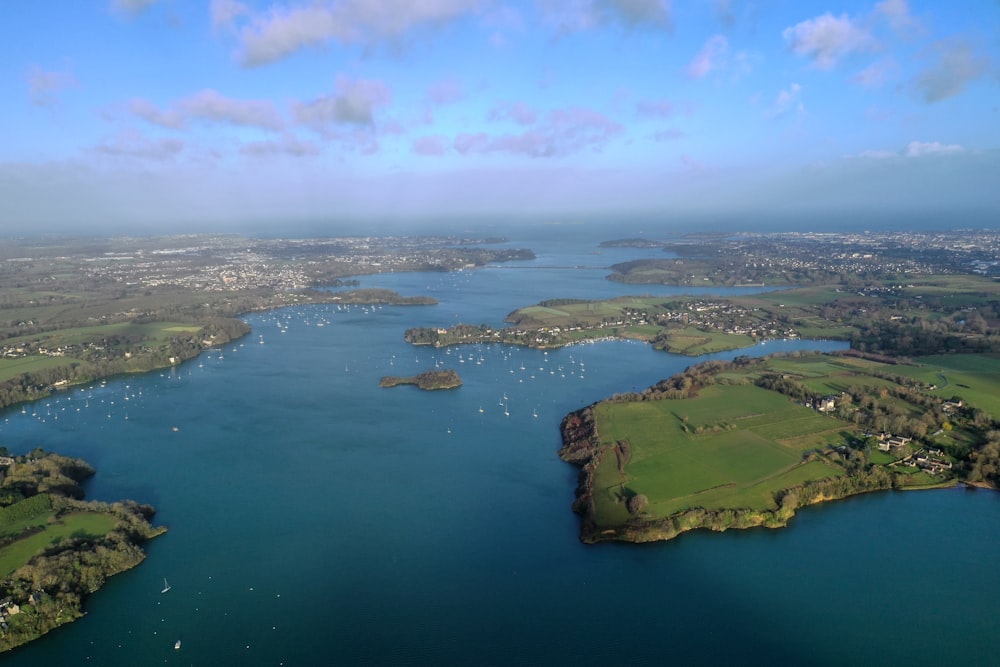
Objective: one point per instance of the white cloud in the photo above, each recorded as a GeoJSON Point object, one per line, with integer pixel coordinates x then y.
{"type": "Point", "coordinates": [225, 12]}
{"type": "Point", "coordinates": [656, 108]}
{"type": "Point", "coordinates": [209, 105]}
{"type": "Point", "coordinates": [283, 30]}
{"type": "Point", "coordinates": [287, 145]}
{"type": "Point", "coordinates": [150, 113]}
{"type": "Point", "coordinates": [578, 15]}
{"type": "Point", "coordinates": [914, 149]}
{"type": "Point", "coordinates": [467, 143]}
{"type": "Point", "coordinates": [561, 132]}
{"type": "Point", "coordinates": [446, 91]}
{"type": "Point", "coordinates": [876, 74]}
{"type": "Point", "coordinates": [922, 148]}
{"type": "Point", "coordinates": [517, 112]}
{"type": "Point", "coordinates": [956, 64]}
{"type": "Point", "coordinates": [787, 100]}
{"type": "Point", "coordinates": [133, 144]}
{"type": "Point", "coordinates": [827, 38]}
{"type": "Point", "coordinates": [354, 102]}
{"type": "Point", "coordinates": [430, 145]}
{"type": "Point", "coordinates": [897, 12]}
{"type": "Point", "coordinates": [878, 154]}
{"type": "Point", "coordinates": [502, 21]}
{"type": "Point", "coordinates": [634, 12]}
{"type": "Point", "coordinates": [711, 57]}
{"type": "Point", "coordinates": [44, 86]}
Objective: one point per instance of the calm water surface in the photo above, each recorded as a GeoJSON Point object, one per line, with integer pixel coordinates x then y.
{"type": "Point", "coordinates": [318, 519]}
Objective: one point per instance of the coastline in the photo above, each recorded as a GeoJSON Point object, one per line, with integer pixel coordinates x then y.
{"type": "Point", "coordinates": [77, 544]}
{"type": "Point", "coordinates": [220, 331]}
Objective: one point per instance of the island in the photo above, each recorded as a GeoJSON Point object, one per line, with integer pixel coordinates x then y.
{"type": "Point", "coordinates": [428, 380]}
{"type": "Point", "coordinates": [55, 548]}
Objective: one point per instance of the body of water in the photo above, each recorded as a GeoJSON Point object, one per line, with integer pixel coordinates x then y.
{"type": "Point", "coordinates": [316, 518]}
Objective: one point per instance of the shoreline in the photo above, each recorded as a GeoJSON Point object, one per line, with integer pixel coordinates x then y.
{"type": "Point", "coordinates": [315, 297]}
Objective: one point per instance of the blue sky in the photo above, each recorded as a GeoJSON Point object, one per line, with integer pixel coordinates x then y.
{"type": "Point", "coordinates": [210, 115]}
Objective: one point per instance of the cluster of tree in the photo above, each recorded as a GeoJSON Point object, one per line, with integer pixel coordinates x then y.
{"type": "Point", "coordinates": [871, 478]}
{"type": "Point", "coordinates": [459, 333]}
{"type": "Point", "coordinates": [428, 380]}
{"type": "Point", "coordinates": [984, 462]}
{"type": "Point", "coordinates": [43, 473]}
{"type": "Point", "coordinates": [718, 270]}
{"type": "Point", "coordinates": [922, 338]}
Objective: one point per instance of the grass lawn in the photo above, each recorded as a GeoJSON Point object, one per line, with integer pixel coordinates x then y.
{"type": "Point", "coordinates": [694, 342]}
{"type": "Point", "coordinates": [751, 445]}
{"type": "Point", "coordinates": [12, 368]}
{"type": "Point", "coordinates": [78, 524]}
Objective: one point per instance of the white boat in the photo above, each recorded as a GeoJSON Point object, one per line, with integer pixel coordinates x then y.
{"type": "Point", "coordinates": [177, 645]}
{"type": "Point", "coordinates": [166, 586]}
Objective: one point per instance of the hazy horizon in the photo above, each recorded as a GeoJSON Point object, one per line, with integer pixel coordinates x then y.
{"type": "Point", "coordinates": [154, 116]}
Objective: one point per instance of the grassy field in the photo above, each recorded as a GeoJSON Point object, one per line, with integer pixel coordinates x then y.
{"type": "Point", "coordinates": [735, 444]}
{"type": "Point", "coordinates": [78, 524]}
{"type": "Point", "coordinates": [155, 332]}
{"type": "Point", "coordinates": [694, 342]}
{"type": "Point", "coordinates": [973, 377]}
{"type": "Point", "coordinates": [12, 368]}
{"type": "Point", "coordinates": [832, 375]}
{"type": "Point", "coordinates": [590, 312]}
{"type": "Point", "coordinates": [751, 444]}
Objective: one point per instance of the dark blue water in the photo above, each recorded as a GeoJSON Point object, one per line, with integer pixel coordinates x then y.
{"type": "Point", "coordinates": [318, 519]}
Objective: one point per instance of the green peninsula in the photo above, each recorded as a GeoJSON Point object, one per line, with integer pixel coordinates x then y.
{"type": "Point", "coordinates": [928, 314]}
{"type": "Point", "coordinates": [428, 380]}
{"type": "Point", "coordinates": [56, 549]}
{"type": "Point", "coordinates": [747, 443]}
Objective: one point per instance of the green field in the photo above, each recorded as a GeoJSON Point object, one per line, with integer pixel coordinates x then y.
{"type": "Point", "coordinates": [12, 368]}
{"type": "Point", "coordinates": [973, 377]}
{"type": "Point", "coordinates": [694, 342]}
{"type": "Point", "coordinates": [589, 312]}
{"type": "Point", "coordinates": [741, 439]}
{"type": "Point", "coordinates": [155, 332]}
{"type": "Point", "coordinates": [77, 524]}
{"type": "Point", "coordinates": [751, 444]}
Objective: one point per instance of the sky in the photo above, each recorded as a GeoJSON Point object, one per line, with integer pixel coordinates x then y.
{"type": "Point", "coordinates": [176, 114]}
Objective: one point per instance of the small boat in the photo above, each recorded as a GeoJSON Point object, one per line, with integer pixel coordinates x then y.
{"type": "Point", "coordinates": [166, 586]}
{"type": "Point", "coordinates": [177, 645]}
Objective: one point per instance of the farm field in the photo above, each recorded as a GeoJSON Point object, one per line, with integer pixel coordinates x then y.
{"type": "Point", "coordinates": [694, 342]}
{"type": "Point", "coordinates": [77, 524]}
{"type": "Point", "coordinates": [732, 446]}
{"type": "Point", "coordinates": [12, 368]}
{"type": "Point", "coordinates": [154, 332]}
{"type": "Point", "coordinates": [973, 377]}
{"type": "Point", "coordinates": [750, 437]}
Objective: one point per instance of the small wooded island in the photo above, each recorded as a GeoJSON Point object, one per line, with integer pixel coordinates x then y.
{"type": "Point", "coordinates": [56, 549]}
{"type": "Point", "coordinates": [428, 380]}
